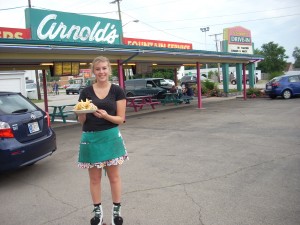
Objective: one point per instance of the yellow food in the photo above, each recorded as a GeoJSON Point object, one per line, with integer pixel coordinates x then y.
{"type": "Point", "coordinates": [87, 105]}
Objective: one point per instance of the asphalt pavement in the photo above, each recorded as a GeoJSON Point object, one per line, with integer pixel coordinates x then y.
{"type": "Point", "coordinates": [233, 162]}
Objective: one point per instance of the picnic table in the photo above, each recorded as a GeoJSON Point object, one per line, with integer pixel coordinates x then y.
{"type": "Point", "coordinates": [138, 102]}
{"type": "Point", "coordinates": [61, 111]}
{"type": "Point", "coordinates": [171, 98]}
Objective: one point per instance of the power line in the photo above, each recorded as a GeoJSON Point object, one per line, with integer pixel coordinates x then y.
{"type": "Point", "coordinates": [234, 22]}
{"type": "Point", "coordinates": [18, 7]}
{"type": "Point", "coordinates": [236, 14]}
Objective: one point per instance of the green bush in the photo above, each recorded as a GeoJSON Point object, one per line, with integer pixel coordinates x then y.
{"type": "Point", "coordinates": [254, 92]}
{"type": "Point", "coordinates": [208, 88]}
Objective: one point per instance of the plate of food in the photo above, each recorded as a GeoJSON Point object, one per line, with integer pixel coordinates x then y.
{"type": "Point", "coordinates": [84, 111]}
{"type": "Point", "coordinates": [85, 107]}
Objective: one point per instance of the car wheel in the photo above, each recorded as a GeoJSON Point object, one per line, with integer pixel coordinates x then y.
{"type": "Point", "coordinates": [67, 93]}
{"type": "Point", "coordinates": [129, 94]}
{"type": "Point", "coordinates": [272, 96]}
{"type": "Point", "coordinates": [233, 82]}
{"type": "Point", "coordinates": [286, 94]}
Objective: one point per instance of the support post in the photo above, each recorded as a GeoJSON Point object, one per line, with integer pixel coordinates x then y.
{"type": "Point", "coordinates": [120, 73]}
{"type": "Point", "coordinates": [225, 72]}
{"type": "Point", "coordinates": [175, 77]}
{"type": "Point", "coordinates": [45, 91]}
{"type": "Point", "coordinates": [238, 68]}
{"type": "Point", "coordinates": [199, 86]}
{"type": "Point", "coordinates": [251, 75]}
{"type": "Point", "coordinates": [244, 82]}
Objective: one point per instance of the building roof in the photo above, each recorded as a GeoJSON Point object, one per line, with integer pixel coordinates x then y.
{"type": "Point", "coordinates": [31, 54]}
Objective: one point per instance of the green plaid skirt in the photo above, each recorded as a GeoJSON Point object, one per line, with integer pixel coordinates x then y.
{"type": "Point", "coordinates": [100, 146]}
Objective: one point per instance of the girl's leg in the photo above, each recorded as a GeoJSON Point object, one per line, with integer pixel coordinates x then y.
{"type": "Point", "coordinates": [115, 182]}
{"type": "Point", "coordinates": [115, 185]}
{"type": "Point", "coordinates": [95, 184]}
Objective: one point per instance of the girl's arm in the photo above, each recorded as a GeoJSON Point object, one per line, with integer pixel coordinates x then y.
{"type": "Point", "coordinates": [119, 118]}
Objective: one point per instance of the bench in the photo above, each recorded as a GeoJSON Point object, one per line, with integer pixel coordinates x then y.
{"type": "Point", "coordinates": [138, 102]}
{"type": "Point", "coordinates": [171, 98]}
{"type": "Point", "coordinates": [175, 101]}
{"type": "Point", "coordinates": [61, 111]}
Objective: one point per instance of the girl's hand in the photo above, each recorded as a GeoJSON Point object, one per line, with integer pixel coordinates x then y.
{"type": "Point", "coordinates": [81, 117]}
{"type": "Point", "coordinates": [100, 113]}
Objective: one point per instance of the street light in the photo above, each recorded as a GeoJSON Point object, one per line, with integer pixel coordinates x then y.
{"type": "Point", "coordinates": [135, 21]}
{"type": "Point", "coordinates": [205, 29]}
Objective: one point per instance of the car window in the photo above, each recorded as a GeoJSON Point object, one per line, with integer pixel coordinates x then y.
{"type": "Point", "coordinates": [276, 79]}
{"type": "Point", "coordinates": [129, 84]}
{"type": "Point", "coordinates": [159, 82]}
{"type": "Point", "coordinates": [14, 103]}
{"type": "Point", "coordinates": [150, 83]}
{"type": "Point", "coordinates": [293, 79]}
{"type": "Point", "coordinates": [140, 84]}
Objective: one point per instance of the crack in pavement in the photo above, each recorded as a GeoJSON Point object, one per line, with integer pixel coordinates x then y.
{"type": "Point", "coordinates": [198, 205]}
{"type": "Point", "coordinates": [212, 178]}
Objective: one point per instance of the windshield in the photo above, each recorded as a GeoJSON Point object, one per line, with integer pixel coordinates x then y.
{"type": "Point", "coordinates": [160, 82]}
{"type": "Point", "coordinates": [74, 85]}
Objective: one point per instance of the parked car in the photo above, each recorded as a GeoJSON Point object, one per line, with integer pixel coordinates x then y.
{"type": "Point", "coordinates": [65, 86]}
{"type": "Point", "coordinates": [170, 82]}
{"type": "Point", "coordinates": [74, 88]}
{"type": "Point", "coordinates": [287, 86]}
{"type": "Point", "coordinates": [31, 90]}
{"type": "Point", "coordinates": [233, 81]}
{"type": "Point", "coordinates": [192, 79]}
{"type": "Point", "coordinates": [146, 86]}
{"type": "Point", "coordinates": [25, 133]}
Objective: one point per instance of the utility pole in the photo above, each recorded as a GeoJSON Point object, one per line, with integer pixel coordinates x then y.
{"type": "Point", "coordinates": [216, 40]}
{"type": "Point", "coordinates": [205, 29]}
{"type": "Point", "coordinates": [29, 3]}
{"type": "Point", "coordinates": [119, 9]}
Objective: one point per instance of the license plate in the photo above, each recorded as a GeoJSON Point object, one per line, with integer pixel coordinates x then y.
{"type": "Point", "coordinates": [33, 127]}
{"type": "Point", "coordinates": [269, 87]}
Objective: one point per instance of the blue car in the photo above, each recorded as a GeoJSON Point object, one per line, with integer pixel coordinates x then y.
{"type": "Point", "coordinates": [25, 133]}
{"type": "Point", "coordinates": [286, 86]}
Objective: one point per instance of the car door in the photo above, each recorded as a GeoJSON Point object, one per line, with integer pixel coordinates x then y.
{"type": "Point", "coordinates": [151, 88]}
{"type": "Point", "coordinates": [295, 84]}
{"type": "Point", "coordinates": [140, 88]}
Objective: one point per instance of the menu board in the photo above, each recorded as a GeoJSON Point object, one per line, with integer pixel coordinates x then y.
{"type": "Point", "coordinates": [66, 69]}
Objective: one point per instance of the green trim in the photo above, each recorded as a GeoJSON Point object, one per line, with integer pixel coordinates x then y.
{"type": "Point", "coordinates": [129, 48]}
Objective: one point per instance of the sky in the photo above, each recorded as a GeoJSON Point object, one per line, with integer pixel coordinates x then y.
{"type": "Point", "coordinates": [181, 20]}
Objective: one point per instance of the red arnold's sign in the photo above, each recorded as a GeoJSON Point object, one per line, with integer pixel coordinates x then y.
{"type": "Point", "coordinates": [156, 43]}
{"type": "Point", "coordinates": [14, 33]}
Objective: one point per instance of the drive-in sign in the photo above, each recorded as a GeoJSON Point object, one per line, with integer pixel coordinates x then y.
{"type": "Point", "coordinates": [71, 27]}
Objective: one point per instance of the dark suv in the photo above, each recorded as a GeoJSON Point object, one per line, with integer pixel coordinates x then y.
{"type": "Point", "coordinates": [192, 79]}
{"type": "Point", "coordinates": [155, 87]}
{"type": "Point", "coordinates": [74, 88]}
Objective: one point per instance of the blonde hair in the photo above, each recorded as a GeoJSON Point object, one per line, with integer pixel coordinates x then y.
{"type": "Point", "coordinates": [101, 59]}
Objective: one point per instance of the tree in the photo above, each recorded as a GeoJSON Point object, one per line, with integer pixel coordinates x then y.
{"type": "Point", "coordinates": [275, 57]}
{"type": "Point", "coordinates": [296, 55]}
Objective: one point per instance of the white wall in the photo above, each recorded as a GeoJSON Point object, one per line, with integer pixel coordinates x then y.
{"type": "Point", "coordinates": [13, 81]}
{"type": "Point", "coordinates": [231, 69]}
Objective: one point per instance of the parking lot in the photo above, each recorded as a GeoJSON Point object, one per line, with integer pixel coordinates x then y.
{"type": "Point", "coordinates": [234, 162]}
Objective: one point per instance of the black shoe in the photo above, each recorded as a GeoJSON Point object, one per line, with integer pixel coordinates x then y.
{"type": "Point", "coordinates": [98, 218]}
{"type": "Point", "coordinates": [95, 221]}
{"type": "Point", "coordinates": [187, 103]}
{"type": "Point", "coordinates": [116, 215]}
{"type": "Point", "coordinates": [118, 220]}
